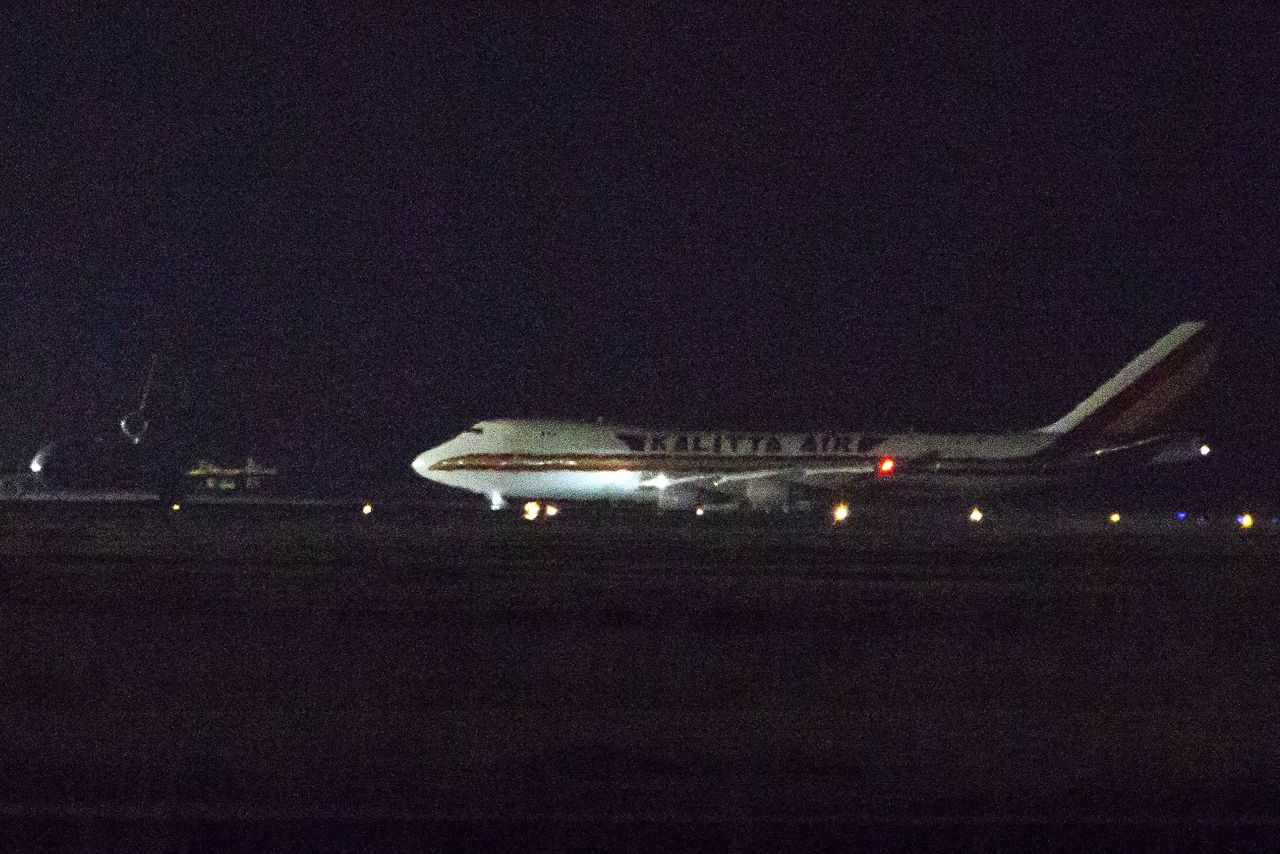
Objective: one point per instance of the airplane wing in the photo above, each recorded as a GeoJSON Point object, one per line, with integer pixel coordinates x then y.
{"type": "Point", "coordinates": [764, 487]}
{"type": "Point", "coordinates": [798, 473]}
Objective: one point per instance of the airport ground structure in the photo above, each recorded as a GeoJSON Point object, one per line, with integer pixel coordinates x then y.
{"type": "Point", "coordinates": [422, 677]}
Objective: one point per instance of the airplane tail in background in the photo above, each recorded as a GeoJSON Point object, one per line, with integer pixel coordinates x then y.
{"type": "Point", "coordinates": [1131, 402]}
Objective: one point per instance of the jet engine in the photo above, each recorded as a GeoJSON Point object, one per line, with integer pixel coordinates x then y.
{"type": "Point", "coordinates": [777, 494]}
{"type": "Point", "coordinates": [681, 497]}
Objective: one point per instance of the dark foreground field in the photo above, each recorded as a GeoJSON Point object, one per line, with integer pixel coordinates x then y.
{"type": "Point", "coordinates": [235, 678]}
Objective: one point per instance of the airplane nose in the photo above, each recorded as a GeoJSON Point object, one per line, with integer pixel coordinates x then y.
{"type": "Point", "coordinates": [422, 463]}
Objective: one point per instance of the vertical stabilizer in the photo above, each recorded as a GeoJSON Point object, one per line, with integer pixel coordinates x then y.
{"type": "Point", "coordinates": [1133, 400]}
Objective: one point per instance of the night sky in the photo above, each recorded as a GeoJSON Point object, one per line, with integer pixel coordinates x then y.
{"type": "Point", "coordinates": [350, 235]}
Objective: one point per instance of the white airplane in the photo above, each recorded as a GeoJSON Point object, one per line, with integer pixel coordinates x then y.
{"type": "Point", "coordinates": [1114, 429]}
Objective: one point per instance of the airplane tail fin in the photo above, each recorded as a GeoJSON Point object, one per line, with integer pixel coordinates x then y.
{"type": "Point", "coordinates": [1132, 400]}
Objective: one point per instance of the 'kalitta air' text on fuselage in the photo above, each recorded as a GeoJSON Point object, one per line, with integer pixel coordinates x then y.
{"type": "Point", "coordinates": [744, 444]}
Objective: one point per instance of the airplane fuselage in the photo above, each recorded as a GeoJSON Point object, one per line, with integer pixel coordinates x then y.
{"type": "Point", "coordinates": [1114, 429]}
{"type": "Point", "coordinates": [564, 460]}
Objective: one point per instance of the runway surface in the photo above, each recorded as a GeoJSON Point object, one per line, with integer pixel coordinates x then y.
{"type": "Point", "coordinates": [234, 673]}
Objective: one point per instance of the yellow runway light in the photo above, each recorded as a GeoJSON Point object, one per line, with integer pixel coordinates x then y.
{"type": "Point", "coordinates": [1246, 521]}
{"type": "Point", "coordinates": [366, 509]}
{"type": "Point", "coordinates": [841, 512]}
{"type": "Point", "coordinates": [1114, 518]}
{"type": "Point", "coordinates": [975, 515]}
{"type": "Point", "coordinates": [551, 510]}
{"type": "Point", "coordinates": [531, 510]}
{"type": "Point", "coordinates": [176, 507]}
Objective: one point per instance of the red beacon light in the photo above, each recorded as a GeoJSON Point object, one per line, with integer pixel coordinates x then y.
{"type": "Point", "coordinates": [886, 466]}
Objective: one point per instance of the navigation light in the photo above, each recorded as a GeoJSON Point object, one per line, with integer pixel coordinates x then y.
{"type": "Point", "coordinates": [1204, 450]}
{"type": "Point", "coordinates": [531, 510]}
{"type": "Point", "coordinates": [1115, 518]}
{"type": "Point", "coordinates": [975, 515]}
{"type": "Point", "coordinates": [886, 465]}
{"type": "Point", "coordinates": [841, 512]}
{"type": "Point", "coordinates": [1246, 521]}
